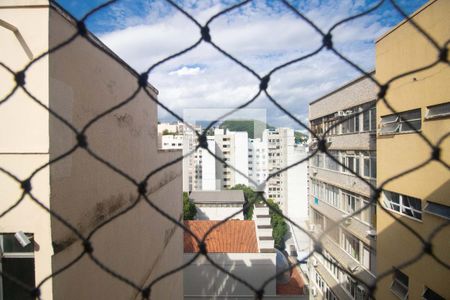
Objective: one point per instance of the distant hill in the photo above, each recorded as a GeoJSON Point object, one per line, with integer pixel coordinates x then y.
{"type": "Point", "coordinates": [254, 128]}
{"type": "Point", "coordinates": [300, 137]}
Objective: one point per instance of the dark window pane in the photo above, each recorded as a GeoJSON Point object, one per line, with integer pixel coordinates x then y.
{"type": "Point", "coordinates": [10, 244]}
{"type": "Point", "coordinates": [23, 270]}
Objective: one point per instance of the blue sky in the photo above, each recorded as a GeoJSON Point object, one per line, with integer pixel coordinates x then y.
{"type": "Point", "coordinates": [262, 34]}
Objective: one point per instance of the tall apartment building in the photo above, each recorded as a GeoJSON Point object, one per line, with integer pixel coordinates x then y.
{"type": "Point", "coordinates": [78, 82]}
{"type": "Point", "coordinates": [278, 143]}
{"type": "Point", "coordinates": [335, 192]}
{"type": "Point", "coordinates": [200, 167]}
{"type": "Point", "coordinates": [233, 149]}
{"type": "Point", "coordinates": [421, 198]}
{"type": "Point", "coordinates": [258, 158]}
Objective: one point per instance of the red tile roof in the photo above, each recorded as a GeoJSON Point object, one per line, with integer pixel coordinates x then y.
{"type": "Point", "coordinates": [294, 286]}
{"type": "Point", "coordinates": [234, 236]}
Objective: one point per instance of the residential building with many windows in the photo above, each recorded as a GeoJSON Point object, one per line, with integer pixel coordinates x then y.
{"type": "Point", "coordinates": [420, 199]}
{"type": "Point", "coordinates": [233, 149]}
{"type": "Point", "coordinates": [336, 193]}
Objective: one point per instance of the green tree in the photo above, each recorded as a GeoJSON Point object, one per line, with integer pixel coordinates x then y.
{"type": "Point", "coordinates": [166, 132]}
{"type": "Point", "coordinates": [251, 198]}
{"type": "Point", "coordinates": [279, 226]}
{"type": "Point", "coordinates": [189, 209]}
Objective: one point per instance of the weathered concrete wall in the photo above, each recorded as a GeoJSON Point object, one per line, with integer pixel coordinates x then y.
{"type": "Point", "coordinates": [141, 244]}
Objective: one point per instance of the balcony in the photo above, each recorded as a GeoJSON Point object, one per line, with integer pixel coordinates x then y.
{"type": "Point", "coordinates": [342, 180]}
{"type": "Point", "coordinates": [355, 226]}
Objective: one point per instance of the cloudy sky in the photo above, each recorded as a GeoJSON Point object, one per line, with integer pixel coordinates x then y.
{"type": "Point", "coordinates": [260, 34]}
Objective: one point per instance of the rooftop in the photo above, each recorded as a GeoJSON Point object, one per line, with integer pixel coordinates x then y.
{"type": "Point", "coordinates": [233, 236]}
{"type": "Point", "coordinates": [294, 286]}
{"type": "Point", "coordinates": [211, 197]}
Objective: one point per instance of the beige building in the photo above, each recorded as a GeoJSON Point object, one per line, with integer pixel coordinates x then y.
{"type": "Point", "coordinates": [419, 199]}
{"type": "Point", "coordinates": [348, 114]}
{"type": "Point", "coordinates": [78, 82]}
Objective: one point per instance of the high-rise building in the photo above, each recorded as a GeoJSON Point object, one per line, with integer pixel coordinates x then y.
{"type": "Point", "coordinates": [258, 158]}
{"type": "Point", "coordinates": [419, 199]}
{"type": "Point", "coordinates": [233, 149]}
{"type": "Point", "coordinates": [335, 193]}
{"type": "Point", "coordinates": [278, 141]}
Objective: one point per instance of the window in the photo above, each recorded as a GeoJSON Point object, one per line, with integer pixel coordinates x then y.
{"type": "Point", "coordinates": [351, 162]}
{"type": "Point", "coordinates": [352, 124]}
{"type": "Point", "coordinates": [351, 203]}
{"type": "Point", "coordinates": [369, 119]}
{"type": "Point", "coordinates": [17, 261]}
{"type": "Point", "coordinates": [405, 205]}
{"type": "Point", "coordinates": [350, 245]}
{"type": "Point", "coordinates": [429, 294]}
{"type": "Point", "coordinates": [438, 111]}
{"type": "Point", "coordinates": [392, 124]}
{"type": "Point", "coordinates": [437, 209]}
{"type": "Point", "coordinates": [370, 167]}
{"type": "Point", "coordinates": [400, 285]}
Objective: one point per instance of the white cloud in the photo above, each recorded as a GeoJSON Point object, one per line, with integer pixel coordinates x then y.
{"type": "Point", "coordinates": [259, 37]}
{"type": "Point", "coordinates": [187, 71]}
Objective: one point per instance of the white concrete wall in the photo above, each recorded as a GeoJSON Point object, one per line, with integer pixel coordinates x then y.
{"type": "Point", "coordinates": [218, 213]}
{"type": "Point", "coordinates": [24, 131]}
{"type": "Point", "coordinates": [241, 157]}
{"type": "Point", "coordinates": [172, 142]}
{"type": "Point", "coordinates": [203, 279]}
{"type": "Point", "coordinates": [209, 167]}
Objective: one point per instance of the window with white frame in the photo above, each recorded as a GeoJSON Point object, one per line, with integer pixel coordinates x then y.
{"type": "Point", "coordinates": [396, 123]}
{"type": "Point", "coordinates": [402, 204]}
{"type": "Point", "coordinates": [351, 245]}
{"type": "Point", "coordinates": [17, 261]}
{"type": "Point", "coordinates": [351, 161]}
{"type": "Point", "coordinates": [370, 166]}
{"type": "Point", "coordinates": [351, 125]}
{"type": "Point", "coordinates": [351, 202]}
{"type": "Point", "coordinates": [400, 284]}
{"type": "Point", "coordinates": [369, 119]}
{"type": "Point", "coordinates": [438, 111]}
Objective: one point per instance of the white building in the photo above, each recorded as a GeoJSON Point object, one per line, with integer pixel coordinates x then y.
{"type": "Point", "coordinates": [258, 169]}
{"type": "Point", "coordinates": [218, 205]}
{"type": "Point", "coordinates": [279, 141]}
{"type": "Point", "coordinates": [233, 149]}
{"type": "Point", "coordinates": [171, 142]}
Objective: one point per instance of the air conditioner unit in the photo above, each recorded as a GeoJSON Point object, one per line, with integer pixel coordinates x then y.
{"type": "Point", "coordinates": [314, 292]}
{"type": "Point", "coordinates": [353, 268]}
{"type": "Point", "coordinates": [314, 262]}
{"type": "Point", "coordinates": [348, 112]}
{"type": "Point", "coordinates": [339, 113]}
{"type": "Point", "coordinates": [371, 233]}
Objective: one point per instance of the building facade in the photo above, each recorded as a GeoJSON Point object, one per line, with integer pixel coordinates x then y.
{"type": "Point", "coordinates": [78, 82]}
{"type": "Point", "coordinates": [233, 149]}
{"type": "Point", "coordinates": [419, 199]}
{"type": "Point", "coordinates": [279, 141]}
{"type": "Point", "coordinates": [335, 193]}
